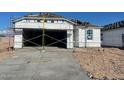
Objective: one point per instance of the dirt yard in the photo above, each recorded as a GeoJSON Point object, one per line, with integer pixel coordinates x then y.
{"type": "Point", "coordinates": [5, 43]}
{"type": "Point", "coordinates": [4, 55]}
{"type": "Point", "coordinates": [102, 63]}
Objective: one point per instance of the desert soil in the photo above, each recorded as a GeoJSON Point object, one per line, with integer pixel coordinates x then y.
{"type": "Point", "coordinates": [5, 55]}
{"type": "Point", "coordinates": [101, 63]}
{"type": "Point", "coordinates": [5, 43]}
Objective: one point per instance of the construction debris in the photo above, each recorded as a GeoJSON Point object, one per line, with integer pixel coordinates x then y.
{"type": "Point", "coordinates": [102, 63]}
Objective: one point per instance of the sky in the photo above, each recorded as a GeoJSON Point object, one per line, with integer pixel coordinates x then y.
{"type": "Point", "coordinates": [97, 18]}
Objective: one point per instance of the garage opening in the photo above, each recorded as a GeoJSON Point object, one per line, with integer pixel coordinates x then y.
{"type": "Point", "coordinates": [32, 38]}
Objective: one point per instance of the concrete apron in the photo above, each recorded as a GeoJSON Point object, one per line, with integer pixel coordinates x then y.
{"type": "Point", "coordinates": [32, 64]}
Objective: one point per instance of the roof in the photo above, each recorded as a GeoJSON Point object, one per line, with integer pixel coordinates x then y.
{"type": "Point", "coordinates": [47, 15]}
{"type": "Point", "coordinates": [41, 15]}
{"type": "Point", "coordinates": [55, 16]}
{"type": "Point", "coordinates": [115, 25]}
{"type": "Point", "coordinates": [83, 23]}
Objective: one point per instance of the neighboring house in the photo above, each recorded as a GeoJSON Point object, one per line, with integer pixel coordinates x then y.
{"type": "Point", "coordinates": [59, 32]}
{"type": "Point", "coordinates": [6, 33]}
{"type": "Point", "coordinates": [113, 34]}
{"type": "Point", "coordinates": [3, 33]}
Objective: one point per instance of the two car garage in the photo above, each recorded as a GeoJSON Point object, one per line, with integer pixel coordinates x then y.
{"type": "Point", "coordinates": [54, 38]}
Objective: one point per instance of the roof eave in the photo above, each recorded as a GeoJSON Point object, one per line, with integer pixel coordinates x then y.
{"type": "Point", "coordinates": [22, 18]}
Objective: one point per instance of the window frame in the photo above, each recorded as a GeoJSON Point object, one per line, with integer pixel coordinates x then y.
{"type": "Point", "coordinates": [89, 34]}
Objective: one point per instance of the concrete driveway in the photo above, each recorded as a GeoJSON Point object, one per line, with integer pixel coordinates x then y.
{"type": "Point", "coordinates": [31, 64]}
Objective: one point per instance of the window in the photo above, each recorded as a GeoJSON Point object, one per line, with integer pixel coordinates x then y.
{"type": "Point", "coordinates": [41, 21]}
{"type": "Point", "coordinates": [45, 21]}
{"type": "Point", "coordinates": [31, 21]}
{"type": "Point", "coordinates": [35, 21]}
{"type": "Point", "coordinates": [59, 21]}
{"type": "Point", "coordinates": [89, 34]}
{"type": "Point", "coordinates": [38, 21]}
{"type": "Point", "coordinates": [28, 20]}
{"type": "Point", "coordinates": [55, 21]}
{"type": "Point", "coordinates": [63, 21]}
{"type": "Point", "coordinates": [24, 21]}
{"type": "Point", "coordinates": [48, 21]}
{"type": "Point", "coordinates": [52, 21]}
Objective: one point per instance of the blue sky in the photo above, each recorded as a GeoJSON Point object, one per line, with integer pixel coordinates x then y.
{"type": "Point", "coordinates": [98, 18]}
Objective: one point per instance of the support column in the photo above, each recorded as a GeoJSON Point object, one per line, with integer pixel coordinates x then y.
{"type": "Point", "coordinates": [70, 42]}
{"type": "Point", "coordinates": [18, 38]}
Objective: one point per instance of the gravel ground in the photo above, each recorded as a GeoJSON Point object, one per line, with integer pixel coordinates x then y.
{"type": "Point", "coordinates": [101, 63]}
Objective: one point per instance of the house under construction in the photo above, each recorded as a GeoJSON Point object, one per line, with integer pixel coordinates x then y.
{"type": "Point", "coordinates": [48, 29]}
{"type": "Point", "coordinates": [113, 34]}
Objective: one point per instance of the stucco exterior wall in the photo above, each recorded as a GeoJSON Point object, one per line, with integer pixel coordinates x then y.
{"type": "Point", "coordinates": [18, 38]}
{"type": "Point", "coordinates": [96, 41]}
{"type": "Point", "coordinates": [63, 26]}
{"type": "Point", "coordinates": [113, 37]}
{"type": "Point", "coordinates": [82, 38]}
{"type": "Point", "coordinates": [70, 42]}
{"type": "Point", "coordinates": [76, 37]}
